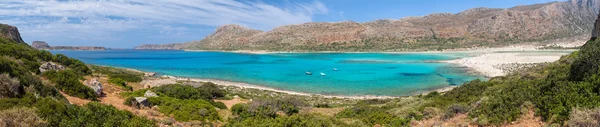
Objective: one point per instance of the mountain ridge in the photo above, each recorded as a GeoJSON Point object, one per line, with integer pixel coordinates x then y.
{"type": "Point", "coordinates": [477, 27]}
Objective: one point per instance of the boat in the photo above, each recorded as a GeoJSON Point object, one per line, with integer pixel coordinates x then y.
{"type": "Point", "coordinates": [322, 74]}
{"type": "Point", "coordinates": [335, 69]}
{"type": "Point", "coordinates": [308, 73]}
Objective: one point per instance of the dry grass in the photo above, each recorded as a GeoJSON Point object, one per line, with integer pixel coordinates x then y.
{"type": "Point", "coordinates": [21, 117]}
{"type": "Point", "coordinates": [585, 118]}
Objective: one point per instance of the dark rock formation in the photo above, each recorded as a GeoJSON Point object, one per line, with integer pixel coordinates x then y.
{"type": "Point", "coordinates": [44, 46]}
{"type": "Point", "coordinates": [479, 27]}
{"type": "Point", "coordinates": [10, 33]}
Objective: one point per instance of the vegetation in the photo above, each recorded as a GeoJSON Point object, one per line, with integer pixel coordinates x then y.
{"type": "Point", "coordinates": [21, 117]}
{"type": "Point", "coordinates": [68, 81]}
{"type": "Point", "coordinates": [120, 82]}
{"type": "Point", "coordinates": [122, 74]}
{"type": "Point", "coordinates": [185, 103]}
{"type": "Point", "coordinates": [25, 100]}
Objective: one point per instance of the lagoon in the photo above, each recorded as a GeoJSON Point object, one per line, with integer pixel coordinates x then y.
{"type": "Point", "coordinates": [378, 74]}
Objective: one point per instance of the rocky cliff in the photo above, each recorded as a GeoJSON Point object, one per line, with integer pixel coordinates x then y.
{"type": "Point", "coordinates": [43, 45]}
{"type": "Point", "coordinates": [479, 27]}
{"type": "Point", "coordinates": [11, 33]}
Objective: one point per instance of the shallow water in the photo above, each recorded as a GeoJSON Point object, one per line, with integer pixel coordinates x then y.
{"type": "Point", "coordinates": [358, 74]}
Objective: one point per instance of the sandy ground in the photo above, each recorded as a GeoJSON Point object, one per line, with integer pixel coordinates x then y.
{"type": "Point", "coordinates": [488, 63]}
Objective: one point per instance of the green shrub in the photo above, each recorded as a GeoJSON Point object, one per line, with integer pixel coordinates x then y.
{"type": "Point", "coordinates": [219, 105]}
{"type": "Point", "coordinates": [587, 62]}
{"type": "Point", "coordinates": [68, 81]}
{"type": "Point", "coordinates": [120, 82]}
{"type": "Point", "coordinates": [185, 110]}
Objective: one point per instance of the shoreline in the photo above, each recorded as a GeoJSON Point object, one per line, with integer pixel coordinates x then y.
{"type": "Point", "coordinates": [481, 61]}
{"type": "Point", "coordinates": [511, 48]}
{"type": "Point", "coordinates": [168, 79]}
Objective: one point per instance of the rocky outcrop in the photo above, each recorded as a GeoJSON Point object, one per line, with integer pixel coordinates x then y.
{"type": "Point", "coordinates": [479, 27]}
{"type": "Point", "coordinates": [140, 102]}
{"type": "Point", "coordinates": [47, 66]}
{"type": "Point", "coordinates": [44, 46]}
{"type": "Point", "coordinates": [40, 45]}
{"type": "Point", "coordinates": [95, 85]}
{"type": "Point", "coordinates": [150, 94]}
{"type": "Point", "coordinates": [10, 33]}
{"type": "Point", "coordinates": [596, 30]}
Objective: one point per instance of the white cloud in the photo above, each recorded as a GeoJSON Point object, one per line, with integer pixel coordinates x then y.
{"type": "Point", "coordinates": [91, 19]}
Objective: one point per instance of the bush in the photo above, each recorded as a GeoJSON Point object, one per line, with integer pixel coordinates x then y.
{"type": "Point", "coordinates": [9, 87]}
{"type": "Point", "coordinates": [120, 82]}
{"type": "Point", "coordinates": [21, 117]}
{"type": "Point", "coordinates": [455, 109]}
{"type": "Point", "coordinates": [586, 64]}
{"type": "Point", "coordinates": [219, 105]}
{"type": "Point", "coordinates": [185, 110]}
{"type": "Point", "coordinates": [68, 81]}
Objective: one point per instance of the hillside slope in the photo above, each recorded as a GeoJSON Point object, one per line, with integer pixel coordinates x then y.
{"type": "Point", "coordinates": [478, 27]}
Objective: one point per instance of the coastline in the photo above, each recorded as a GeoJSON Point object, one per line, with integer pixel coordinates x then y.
{"type": "Point", "coordinates": [482, 61]}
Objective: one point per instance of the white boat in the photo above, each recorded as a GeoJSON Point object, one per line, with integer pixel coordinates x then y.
{"type": "Point", "coordinates": [335, 69]}
{"type": "Point", "coordinates": [308, 73]}
{"type": "Point", "coordinates": [322, 74]}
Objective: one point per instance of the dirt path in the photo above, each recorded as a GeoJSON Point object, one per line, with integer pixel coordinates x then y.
{"type": "Point", "coordinates": [111, 97]}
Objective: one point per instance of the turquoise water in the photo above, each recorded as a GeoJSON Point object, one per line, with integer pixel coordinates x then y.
{"type": "Point", "coordinates": [358, 74]}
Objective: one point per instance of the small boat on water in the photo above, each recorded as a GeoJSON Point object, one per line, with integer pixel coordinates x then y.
{"type": "Point", "coordinates": [308, 73]}
{"type": "Point", "coordinates": [322, 74]}
{"type": "Point", "coordinates": [335, 69]}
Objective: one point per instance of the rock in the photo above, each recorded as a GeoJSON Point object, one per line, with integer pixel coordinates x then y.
{"type": "Point", "coordinates": [94, 84]}
{"type": "Point", "coordinates": [10, 33]}
{"type": "Point", "coordinates": [40, 45]}
{"type": "Point", "coordinates": [149, 74]}
{"type": "Point", "coordinates": [51, 66]}
{"type": "Point", "coordinates": [596, 30]}
{"type": "Point", "coordinates": [150, 94]}
{"type": "Point", "coordinates": [141, 102]}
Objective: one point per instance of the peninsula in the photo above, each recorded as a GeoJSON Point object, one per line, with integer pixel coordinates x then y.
{"type": "Point", "coordinates": [44, 46]}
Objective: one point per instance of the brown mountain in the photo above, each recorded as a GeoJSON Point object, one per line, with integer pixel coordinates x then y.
{"type": "Point", "coordinates": [11, 33]}
{"type": "Point", "coordinates": [479, 27]}
{"type": "Point", "coordinates": [44, 46]}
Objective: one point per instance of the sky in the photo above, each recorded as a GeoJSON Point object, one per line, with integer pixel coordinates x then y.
{"type": "Point", "coordinates": [128, 23]}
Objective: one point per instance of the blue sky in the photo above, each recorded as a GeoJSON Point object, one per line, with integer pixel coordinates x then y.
{"type": "Point", "coordinates": [128, 23]}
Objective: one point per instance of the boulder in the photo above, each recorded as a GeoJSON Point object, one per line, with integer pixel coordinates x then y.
{"type": "Point", "coordinates": [141, 102]}
{"type": "Point", "coordinates": [94, 84]}
{"type": "Point", "coordinates": [149, 74]}
{"type": "Point", "coordinates": [51, 66]}
{"type": "Point", "coordinates": [150, 94]}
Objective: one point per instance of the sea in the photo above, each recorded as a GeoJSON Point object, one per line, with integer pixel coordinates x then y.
{"type": "Point", "coordinates": [340, 74]}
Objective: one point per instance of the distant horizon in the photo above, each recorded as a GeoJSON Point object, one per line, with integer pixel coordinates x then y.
{"type": "Point", "coordinates": [117, 25]}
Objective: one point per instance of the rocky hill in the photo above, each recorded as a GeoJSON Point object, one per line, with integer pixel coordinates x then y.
{"type": "Point", "coordinates": [478, 27]}
{"type": "Point", "coordinates": [11, 33]}
{"type": "Point", "coordinates": [44, 46]}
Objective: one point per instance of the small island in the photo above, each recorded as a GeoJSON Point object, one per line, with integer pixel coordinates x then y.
{"type": "Point", "coordinates": [42, 45]}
